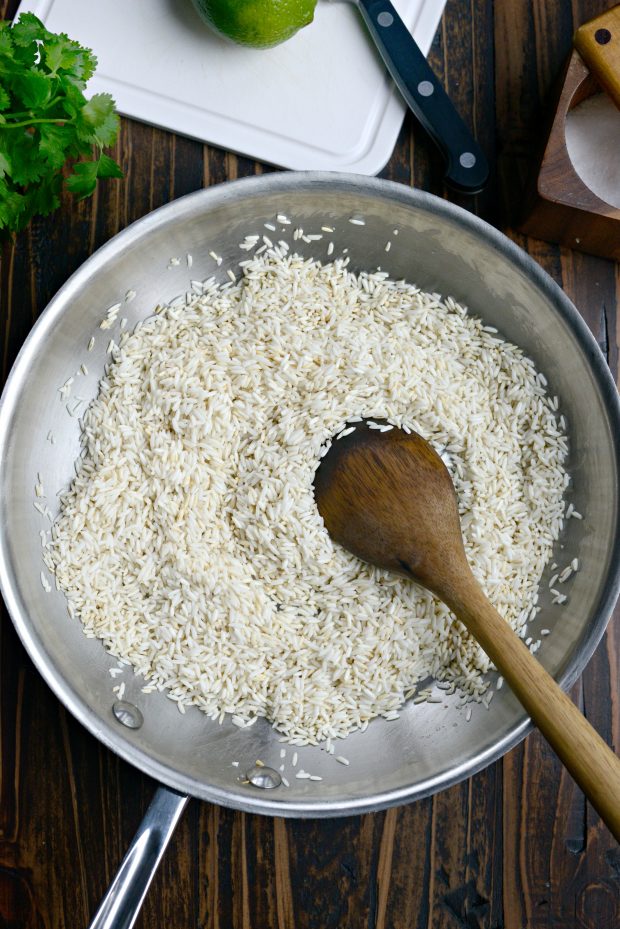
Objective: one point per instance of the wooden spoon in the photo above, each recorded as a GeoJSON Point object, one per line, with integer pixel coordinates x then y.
{"type": "Point", "coordinates": [389, 499]}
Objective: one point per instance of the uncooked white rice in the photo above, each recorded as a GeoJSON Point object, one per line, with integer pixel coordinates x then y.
{"type": "Point", "coordinates": [190, 542]}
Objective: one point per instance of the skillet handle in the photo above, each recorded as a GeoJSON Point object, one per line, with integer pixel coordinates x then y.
{"type": "Point", "coordinates": [121, 904]}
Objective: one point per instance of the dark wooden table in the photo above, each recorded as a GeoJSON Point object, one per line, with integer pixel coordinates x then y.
{"type": "Point", "coordinates": [515, 847]}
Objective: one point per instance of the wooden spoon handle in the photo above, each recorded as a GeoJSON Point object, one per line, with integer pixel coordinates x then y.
{"type": "Point", "coordinates": [584, 753]}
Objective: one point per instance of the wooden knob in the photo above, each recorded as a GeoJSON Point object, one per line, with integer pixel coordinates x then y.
{"type": "Point", "coordinates": [598, 43]}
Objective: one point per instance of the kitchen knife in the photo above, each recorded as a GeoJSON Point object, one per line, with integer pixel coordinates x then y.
{"type": "Point", "coordinates": [467, 168]}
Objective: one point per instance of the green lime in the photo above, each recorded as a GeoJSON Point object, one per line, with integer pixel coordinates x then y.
{"type": "Point", "coordinates": [257, 23]}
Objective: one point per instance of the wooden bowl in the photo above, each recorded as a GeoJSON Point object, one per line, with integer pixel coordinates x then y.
{"type": "Point", "coordinates": [560, 207]}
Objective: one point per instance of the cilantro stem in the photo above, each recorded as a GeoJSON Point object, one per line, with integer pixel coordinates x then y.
{"type": "Point", "coordinates": [30, 112]}
{"type": "Point", "coordinates": [31, 122]}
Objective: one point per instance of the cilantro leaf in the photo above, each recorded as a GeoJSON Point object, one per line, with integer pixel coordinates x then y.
{"type": "Point", "coordinates": [84, 65]}
{"type": "Point", "coordinates": [107, 167]}
{"type": "Point", "coordinates": [28, 29]}
{"type": "Point", "coordinates": [97, 121]}
{"type": "Point", "coordinates": [25, 36]}
{"type": "Point", "coordinates": [32, 88]}
{"type": "Point", "coordinates": [5, 165]}
{"type": "Point", "coordinates": [83, 181]}
{"type": "Point", "coordinates": [58, 52]}
{"type": "Point", "coordinates": [6, 46]}
{"type": "Point", "coordinates": [85, 173]}
{"type": "Point", "coordinates": [11, 205]}
{"type": "Point", "coordinates": [55, 142]}
{"type": "Point", "coordinates": [47, 122]}
{"type": "Point", "coordinates": [70, 96]}
{"type": "Point", "coordinates": [45, 197]}
{"type": "Point", "coordinates": [62, 53]}
{"type": "Point", "coordinates": [21, 57]}
{"type": "Point", "coordinates": [23, 150]}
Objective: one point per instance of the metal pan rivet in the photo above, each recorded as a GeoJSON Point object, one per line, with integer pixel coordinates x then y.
{"type": "Point", "coordinates": [263, 777]}
{"type": "Point", "coordinates": [128, 714]}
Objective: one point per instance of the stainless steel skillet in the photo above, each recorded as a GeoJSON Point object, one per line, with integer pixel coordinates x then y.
{"type": "Point", "coordinates": [443, 249]}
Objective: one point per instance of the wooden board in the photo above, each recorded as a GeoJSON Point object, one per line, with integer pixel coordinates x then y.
{"type": "Point", "coordinates": [516, 847]}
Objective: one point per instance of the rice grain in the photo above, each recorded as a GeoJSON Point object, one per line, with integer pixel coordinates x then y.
{"type": "Point", "coordinates": [189, 541]}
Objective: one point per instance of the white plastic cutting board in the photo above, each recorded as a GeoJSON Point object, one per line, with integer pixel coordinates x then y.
{"type": "Point", "coordinates": [322, 100]}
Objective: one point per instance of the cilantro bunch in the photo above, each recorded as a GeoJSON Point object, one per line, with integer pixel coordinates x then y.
{"type": "Point", "coordinates": [46, 121]}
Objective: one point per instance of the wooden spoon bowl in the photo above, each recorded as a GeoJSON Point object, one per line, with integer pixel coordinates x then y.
{"type": "Point", "coordinates": [386, 495]}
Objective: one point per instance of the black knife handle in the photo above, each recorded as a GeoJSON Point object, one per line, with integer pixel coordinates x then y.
{"type": "Point", "coordinates": [468, 169]}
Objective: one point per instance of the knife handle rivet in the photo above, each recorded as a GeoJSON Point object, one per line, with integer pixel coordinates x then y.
{"type": "Point", "coordinates": [467, 159]}
{"type": "Point", "coordinates": [385, 19]}
{"type": "Point", "coordinates": [425, 88]}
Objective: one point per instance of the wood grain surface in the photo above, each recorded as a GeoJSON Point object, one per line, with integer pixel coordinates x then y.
{"type": "Point", "coordinates": [515, 847]}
